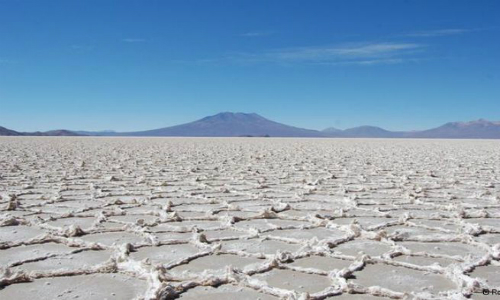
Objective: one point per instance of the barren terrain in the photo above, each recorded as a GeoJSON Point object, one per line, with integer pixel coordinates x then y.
{"type": "Point", "coordinates": [248, 218]}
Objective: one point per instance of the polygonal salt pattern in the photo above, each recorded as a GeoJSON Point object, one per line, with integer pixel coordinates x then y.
{"type": "Point", "coordinates": [215, 218]}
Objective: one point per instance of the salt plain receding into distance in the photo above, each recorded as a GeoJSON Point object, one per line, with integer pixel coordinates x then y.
{"type": "Point", "coordinates": [160, 218]}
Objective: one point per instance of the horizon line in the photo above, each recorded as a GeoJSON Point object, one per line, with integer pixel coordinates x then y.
{"type": "Point", "coordinates": [247, 113]}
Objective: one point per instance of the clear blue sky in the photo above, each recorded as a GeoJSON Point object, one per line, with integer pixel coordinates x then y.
{"type": "Point", "coordinates": [134, 65]}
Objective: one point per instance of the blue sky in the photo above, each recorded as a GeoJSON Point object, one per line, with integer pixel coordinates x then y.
{"type": "Point", "coordinates": [134, 65]}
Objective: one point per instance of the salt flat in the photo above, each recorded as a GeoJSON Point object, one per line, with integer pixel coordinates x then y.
{"type": "Point", "coordinates": [248, 218]}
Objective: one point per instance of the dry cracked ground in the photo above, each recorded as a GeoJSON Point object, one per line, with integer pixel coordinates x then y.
{"type": "Point", "coordinates": [248, 218]}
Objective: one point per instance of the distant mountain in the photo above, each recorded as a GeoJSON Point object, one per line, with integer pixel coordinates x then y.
{"type": "Point", "coordinates": [370, 131]}
{"type": "Point", "coordinates": [96, 133]}
{"type": "Point", "coordinates": [331, 130]}
{"type": "Point", "coordinates": [229, 124]}
{"type": "Point", "coordinates": [60, 132]}
{"type": "Point", "coordinates": [362, 132]}
{"type": "Point", "coordinates": [8, 132]}
{"type": "Point", "coordinates": [5, 131]}
{"type": "Point", "coordinates": [480, 129]}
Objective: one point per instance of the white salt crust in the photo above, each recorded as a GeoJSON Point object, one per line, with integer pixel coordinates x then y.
{"type": "Point", "coordinates": [160, 218]}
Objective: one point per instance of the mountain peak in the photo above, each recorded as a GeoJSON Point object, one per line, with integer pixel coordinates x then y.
{"type": "Point", "coordinates": [232, 124]}
{"type": "Point", "coordinates": [233, 116]}
{"type": "Point", "coordinates": [228, 114]}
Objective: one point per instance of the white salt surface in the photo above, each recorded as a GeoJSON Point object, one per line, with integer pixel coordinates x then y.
{"type": "Point", "coordinates": [249, 218]}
